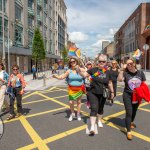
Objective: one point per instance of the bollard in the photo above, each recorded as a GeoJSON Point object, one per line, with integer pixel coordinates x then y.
{"type": "Point", "coordinates": [44, 80]}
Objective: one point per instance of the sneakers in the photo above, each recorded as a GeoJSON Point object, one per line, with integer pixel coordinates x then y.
{"type": "Point", "coordinates": [78, 117]}
{"type": "Point", "coordinates": [18, 115]}
{"type": "Point", "coordinates": [72, 116]}
{"type": "Point", "coordinates": [92, 131]}
{"type": "Point", "coordinates": [100, 123]}
{"type": "Point", "coordinates": [129, 136]}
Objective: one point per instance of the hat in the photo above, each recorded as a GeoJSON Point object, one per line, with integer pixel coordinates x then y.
{"type": "Point", "coordinates": [88, 63]}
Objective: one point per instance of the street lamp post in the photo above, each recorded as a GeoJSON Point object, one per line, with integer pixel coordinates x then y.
{"type": "Point", "coordinates": [3, 57]}
{"type": "Point", "coordinates": [145, 47]}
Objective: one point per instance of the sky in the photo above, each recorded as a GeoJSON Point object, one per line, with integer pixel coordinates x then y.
{"type": "Point", "coordinates": [89, 22]}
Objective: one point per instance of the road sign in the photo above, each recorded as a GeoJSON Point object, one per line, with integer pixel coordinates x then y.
{"type": "Point", "coordinates": [145, 47]}
{"type": "Point", "coordinates": [10, 43]}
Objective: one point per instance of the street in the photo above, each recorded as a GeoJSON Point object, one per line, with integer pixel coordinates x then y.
{"type": "Point", "coordinates": [45, 125]}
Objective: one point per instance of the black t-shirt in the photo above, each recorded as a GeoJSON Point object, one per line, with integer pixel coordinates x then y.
{"type": "Point", "coordinates": [114, 75]}
{"type": "Point", "coordinates": [133, 80]}
{"type": "Point", "coordinates": [96, 86]}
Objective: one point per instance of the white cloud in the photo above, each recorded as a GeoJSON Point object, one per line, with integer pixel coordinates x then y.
{"type": "Point", "coordinates": [112, 31]}
{"type": "Point", "coordinates": [78, 37]}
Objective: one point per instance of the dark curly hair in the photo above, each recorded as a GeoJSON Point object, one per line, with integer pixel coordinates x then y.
{"type": "Point", "coordinates": [1, 64]}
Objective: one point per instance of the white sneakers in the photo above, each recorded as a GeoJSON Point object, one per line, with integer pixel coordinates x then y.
{"type": "Point", "coordinates": [100, 123]}
{"type": "Point", "coordinates": [72, 116]}
{"type": "Point", "coordinates": [78, 117]}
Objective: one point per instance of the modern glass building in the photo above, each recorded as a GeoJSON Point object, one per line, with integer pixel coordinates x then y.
{"type": "Point", "coordinates": [23, 16]}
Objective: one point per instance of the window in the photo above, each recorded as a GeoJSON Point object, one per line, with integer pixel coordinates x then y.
{"type": "Point", "coordinates": [45, 16]}
{"type": "Point", "coordinates": [30, 21]}
{"type": "Point", "coordinates": [5, 1]}
{"type": "Point", "coordinates": [18, 35]}
{"type": "Point", "coordinates": [1, 27]}
{"type": "Point", "coordinates": [30, 39]}
{"type": "Point", "coordinates": [30, 3]}
{"type": "Point", "coordinates": [18, 12]}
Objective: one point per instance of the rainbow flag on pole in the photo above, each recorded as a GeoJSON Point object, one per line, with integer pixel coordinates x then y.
{"type": "Point", "coordinates": [74, 51]}
{"type": "Point", "coordinates": [137, 54]}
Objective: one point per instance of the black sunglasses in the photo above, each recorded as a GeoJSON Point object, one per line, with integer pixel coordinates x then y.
{"type": "Point", "coordinates": [15, 69]}
{"type": "Point", "coordinates": [72, 62]}
{"type": "Point", "coordinates": [130, 64]}
{"type": "Point", "coordinates": [100, 61]}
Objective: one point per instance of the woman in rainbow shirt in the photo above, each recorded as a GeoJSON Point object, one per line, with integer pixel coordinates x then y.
{"type": "Point", "coordinates": [100, 78]}
{"type": "Point", "coordinates": [75, 87]}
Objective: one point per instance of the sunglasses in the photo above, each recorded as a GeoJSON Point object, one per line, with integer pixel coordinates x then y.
{"type": "Point", "coordinates": [130, 64]}
{"type": "Point", "coordinates": [15, 69]}
{"type": "Point", "coordinates": [114, 63]}
{"type": "Point", "coordinates": [72, 62]}
{"type": "Point", "coordinates": [100, 61]}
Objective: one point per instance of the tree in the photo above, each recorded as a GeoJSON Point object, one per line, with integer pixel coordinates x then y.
{"type": "Point", "coordinates": [38, 50]}
{"type": "Point", "coordinates": [64, 55]}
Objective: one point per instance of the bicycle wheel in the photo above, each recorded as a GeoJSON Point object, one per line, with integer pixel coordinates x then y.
{"type": "Point", "coordinates": [1, 127]}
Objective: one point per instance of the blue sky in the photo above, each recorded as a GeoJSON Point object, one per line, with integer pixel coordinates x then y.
{"type": "Point", "coordinates": [92, 21]}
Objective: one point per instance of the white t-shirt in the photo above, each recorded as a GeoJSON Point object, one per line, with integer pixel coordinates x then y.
{"type": "Point", "coordinates": [1, 76]}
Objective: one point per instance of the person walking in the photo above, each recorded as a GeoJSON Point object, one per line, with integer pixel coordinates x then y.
{"type": "Point", "coordinates": [3, 82]}
{"type": "Point", "coordinates": [34, 72]}
{"type": "Point", "coordinates": [16, 85]}
{"type": "Point", "coordinates": [133, 79]}
{"type": "Point", "coordinates": [75, 87]}
{"type": "Point", "coordinates": [114, 72]}
{"type": "Point", "coordinates": [100, 79]}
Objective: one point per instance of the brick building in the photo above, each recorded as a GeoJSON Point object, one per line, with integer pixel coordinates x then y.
{"type": "Point", "coordinates": [131, 34]}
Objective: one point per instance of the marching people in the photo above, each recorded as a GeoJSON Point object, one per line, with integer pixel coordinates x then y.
{"type": "Point", "coordinates": [100, 79]}
{"type": "Point", "coordinates": [133, 79]}
{"type": "Point", "coordinates": [75, 87]}
{"type": "Point", "coordinates": [16, 85]}
{"type": "Point", "coordinates": [114, 72]}
{"type": "Point", "coordinates": [3, 82]}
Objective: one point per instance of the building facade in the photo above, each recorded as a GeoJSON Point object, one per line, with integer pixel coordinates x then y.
{"type": "Point", "coordinates": [109, 50]}
{"type": "Point", "coordinates": [21, 18]}
{"type": "Point", "coordinates": [129, 37]}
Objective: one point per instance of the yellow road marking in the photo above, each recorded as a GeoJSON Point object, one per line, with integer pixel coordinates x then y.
{"type": "Point", "coordinates": [64, 134]}
{"type": "Point", "coordinates": [62, 89]}
{"type": "Point", "coordinates": [29, 95]}
{"type": "Point", "coordinates": [36, 114]}
{"type": "Point", "coordinates": [144, 104]}
{"type": "Point", "coordinates": [45, 112]}
{"type": "Point", "coordinates": [52, 99]}
{"type": "Point", "coordinates": [47, 91]}
{"type": "Point", "coordinates": [34, 101]}
{"type": "Point", "coordinates": [143, 109]}
{"type": "Point", "coordinates": [114, 115]}
{"type": "Point", "coordinates": [33, 134]}
{"type": "Point", "coordinates": [138, 135]}
{"type": "Point", "coordinates": [61, 96]}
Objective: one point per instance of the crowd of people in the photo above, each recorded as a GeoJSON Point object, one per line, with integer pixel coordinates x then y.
{"type": "Point", "coordinates": [98, 80]}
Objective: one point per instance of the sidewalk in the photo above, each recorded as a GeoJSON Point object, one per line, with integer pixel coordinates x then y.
{"type": "Point", "coordinates": [39, 83]}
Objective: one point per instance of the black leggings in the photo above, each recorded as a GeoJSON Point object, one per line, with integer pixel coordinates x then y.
{"type": "Point", "coordinates": [115, 88]}
{"type": "Point", "coordinates": [130, 108]}
{"type": "Point", "coordinates": [96, 103]}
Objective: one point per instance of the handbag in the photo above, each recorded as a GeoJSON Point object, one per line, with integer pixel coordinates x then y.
{"type": "Point", "coordinates": [106, 93]}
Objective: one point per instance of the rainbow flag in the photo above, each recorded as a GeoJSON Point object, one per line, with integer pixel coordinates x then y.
{"type": "Point", "coordinates": [137, 54]}
{"type": "Point", "coordinates": [147, 27]}
{"type": "Point", "coordinates": [74, 51]}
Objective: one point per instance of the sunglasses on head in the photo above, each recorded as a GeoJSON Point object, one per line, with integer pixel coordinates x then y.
{"type": "Point", "coordinates": [100, 61]}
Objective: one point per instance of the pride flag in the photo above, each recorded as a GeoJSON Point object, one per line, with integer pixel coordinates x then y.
{"type": "Point", "coordinates": [147, 27]}
{"type": "Point", "coordinates": [137, 54]}
{"type": "Point", "coordinates": [74, 51]}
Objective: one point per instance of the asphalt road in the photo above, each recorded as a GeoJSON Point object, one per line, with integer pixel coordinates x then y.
{"type": "Point", "coordinates": [45, 125]}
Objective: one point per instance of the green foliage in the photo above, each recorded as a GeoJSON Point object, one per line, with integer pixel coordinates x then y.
{"type": "Point", "coordinates": [38, 50]}
{"type": "Point", "coordinates": [65, 55]}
